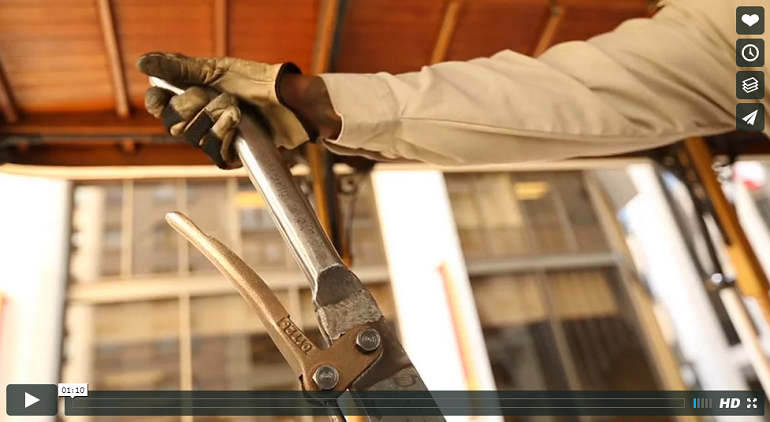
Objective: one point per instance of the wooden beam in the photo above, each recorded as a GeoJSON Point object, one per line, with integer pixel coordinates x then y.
{"type": "Point", "coordinates": [106, 155]}
{"type": "Point", "coordinates": [751, 278]}
{"type": "Point", "coordinates": [220, 27]}
{"type": "Point", "coordinates": [85, 124]}
{"type": "Point", "coordinates": [328, 12]}
{"type": "Point", "coordinates": [619, 5]}
{"type": "Point", "coordinates": [107, 173]}
{"type": "Point", "coordinates": [551, 28]}
{"type": "Point", "coordinates": [451, 16]}
{"type": "Point", "coordinates": [113, 57]}
{"type": "Point", "coordinates": [6, 104]}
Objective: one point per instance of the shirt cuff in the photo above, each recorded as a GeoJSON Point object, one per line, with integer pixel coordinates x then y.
{"type": "Point", "coordinates": [368, 110]}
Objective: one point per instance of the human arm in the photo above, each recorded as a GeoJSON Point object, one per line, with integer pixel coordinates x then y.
{"type": "Point", "coordinates": [648, 83]}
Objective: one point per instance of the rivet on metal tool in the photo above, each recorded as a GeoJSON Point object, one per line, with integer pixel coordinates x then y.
{"type": "Point", "coordinates": [326, 377]}
{"type": "Point", "coordinates": [368, 340]}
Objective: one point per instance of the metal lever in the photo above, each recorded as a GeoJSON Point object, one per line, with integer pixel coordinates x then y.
{"type": "Point", "coordinates": [334, 368]}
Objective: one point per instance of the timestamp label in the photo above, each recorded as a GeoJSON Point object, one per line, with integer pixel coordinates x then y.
{"type": "Point", "coordinates": [73, 390]}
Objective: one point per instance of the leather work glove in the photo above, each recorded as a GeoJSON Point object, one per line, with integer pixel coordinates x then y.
{"type": "Point", "coordinates": [207, 118]}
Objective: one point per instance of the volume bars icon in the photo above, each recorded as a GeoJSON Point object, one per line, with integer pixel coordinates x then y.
{"type": "Point", "coordinates": [750, 85]}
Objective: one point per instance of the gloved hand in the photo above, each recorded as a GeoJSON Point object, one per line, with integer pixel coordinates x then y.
{"type": "Point", "coordinates": [208, 119]}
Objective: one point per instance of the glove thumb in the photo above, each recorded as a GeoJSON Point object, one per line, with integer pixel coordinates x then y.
{"type": "Point", "coordinates": [181, 69]}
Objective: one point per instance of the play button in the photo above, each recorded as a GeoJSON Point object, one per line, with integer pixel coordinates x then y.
{"type": "Point", "coordinates": [31, 400]}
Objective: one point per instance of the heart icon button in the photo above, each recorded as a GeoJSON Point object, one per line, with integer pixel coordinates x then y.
{"type": "Point", "coordinates": [750, 20]}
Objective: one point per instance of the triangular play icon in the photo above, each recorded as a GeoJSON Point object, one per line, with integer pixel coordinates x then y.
{"type": "Point", "coordinates": [29, 400]}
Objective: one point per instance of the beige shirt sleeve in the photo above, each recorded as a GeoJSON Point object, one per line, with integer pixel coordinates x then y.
{"type": "Point", "coordinates": [648, 83]}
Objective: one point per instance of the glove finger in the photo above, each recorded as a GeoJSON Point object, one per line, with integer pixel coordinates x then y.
{"type": "Point", "coordinates": [211, 146]}
{"type": "Point", "coordinates": [178, 68]}
{"type": "Point", "coordinates": [204, 121]}
{"type": "Point", "coordinates": [183, 108]}
{"type": "Point", "coordinates": [217, 141]}
{"type": "Point", "coordinates": [224, 129]}
{"type": "Point", "coordinates": [155, 100]}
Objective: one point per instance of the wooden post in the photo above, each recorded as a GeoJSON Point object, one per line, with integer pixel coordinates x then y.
{"type": "Point", "coordinates": [751, 279]}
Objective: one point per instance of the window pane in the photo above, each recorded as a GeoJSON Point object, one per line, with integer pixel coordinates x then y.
{"type": "Point", "coordinates": [536, 196]}
{"type": "Point", "coordinates": [123, 346]}
{"type": "Point", "coordinates": [488, 217]}
{"type": "Point", "coordinates": [231, 349]}
{"type": "Point", "coordinates": [522, 349]}
{"type": "Point", "coordinates": [97, 231]}
{"type": "Point", "coordinates": [572, 193]}
{"type": "Point", "coordinates": [606, 350]}
{"type": "Point", "coordinates": [365, 237]}
{"type": "Point", "coordinates": [519, 214]}
{"type": "Point", "coordinates": [509, 300]}
{"type": "Point", "coordinates": [582, 294]}
{"type": "Point", "coordinates": [208, 206]}
{"type": "Point", "coordinates": [263, 246]}
{"type": "Point", "coordinates": [155, 243]}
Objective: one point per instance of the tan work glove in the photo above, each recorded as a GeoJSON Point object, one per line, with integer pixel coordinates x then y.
{"type": "Point", "coordinates": [207, 120]}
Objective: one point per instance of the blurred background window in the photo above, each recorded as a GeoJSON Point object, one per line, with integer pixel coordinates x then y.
{"type": "Point", "coordinates": [146, 311]}
{"type": "Point", "coordinates": [546, 286]}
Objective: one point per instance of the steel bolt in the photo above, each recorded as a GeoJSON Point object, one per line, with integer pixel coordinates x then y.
{"type": "Point", "coordinates": [368, 340]}
{"type": "Point", "coordinates": [326, 377]}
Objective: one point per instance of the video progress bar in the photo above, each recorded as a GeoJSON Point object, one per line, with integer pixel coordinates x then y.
{"type": "Point", "coordinates": [420, 403]}
{"type": "Point", "coordinates": [405, 403]}
{"type": "Point", "coordinates": [276, 406]}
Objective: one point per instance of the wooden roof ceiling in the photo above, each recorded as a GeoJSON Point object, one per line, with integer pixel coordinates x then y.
{"type": "Point", "coordinates": [68, 80]}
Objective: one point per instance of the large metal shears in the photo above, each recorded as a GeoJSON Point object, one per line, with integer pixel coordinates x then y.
{"type": "Point", "coordinates": [362, 353]}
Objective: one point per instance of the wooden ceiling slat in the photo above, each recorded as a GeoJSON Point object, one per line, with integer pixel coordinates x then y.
{"type": "Point", "coordinates": [67, 64]}
{"type": "Point", "coordinates": [85, 124]}
{"type": "Point", "coordinates": [144, 26]}
{"type": "Point", "coordinates": [586, 22]}
{"type": "Point", "coordinates": [98, 155]}
{"type": "Point", "coordinates": [485, 29]}
{"type": "Point", "coordinates": [49, 79]}
{"type": "Point", "coordinates": [399, 40]}
{"type": "Point", "coordinates": [113, 55]}
{"type": "Point", "coordinates": [606, 5]}
{"type": "Point", "coordinates": [36, 49]}
{"type": "Point", "coordinates": [549, 33]}
{"type": "Point", "coordinates": [48, 48]}
{"type": "Point", "coordinates": [273, 31]}
{"type": "Point", "coordinates": [31, 16]}
{"type": "Point", "coordinates": [220, 27]}
{"type": "Point", "coordinates": [451, 16]}
{"type": "Point", "coordinates": [6, 103]}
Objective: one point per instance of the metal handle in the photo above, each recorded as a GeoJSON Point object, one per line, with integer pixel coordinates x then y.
{"type": "Point", "coordinates": [290, 209]}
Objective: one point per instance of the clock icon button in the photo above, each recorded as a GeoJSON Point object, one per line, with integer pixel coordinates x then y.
{"type": "Point", "coordinates": [750, 53]}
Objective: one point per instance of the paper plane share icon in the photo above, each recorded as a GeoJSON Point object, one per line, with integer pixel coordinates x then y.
{"type": "Point", "coordinates": [749, 119]}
